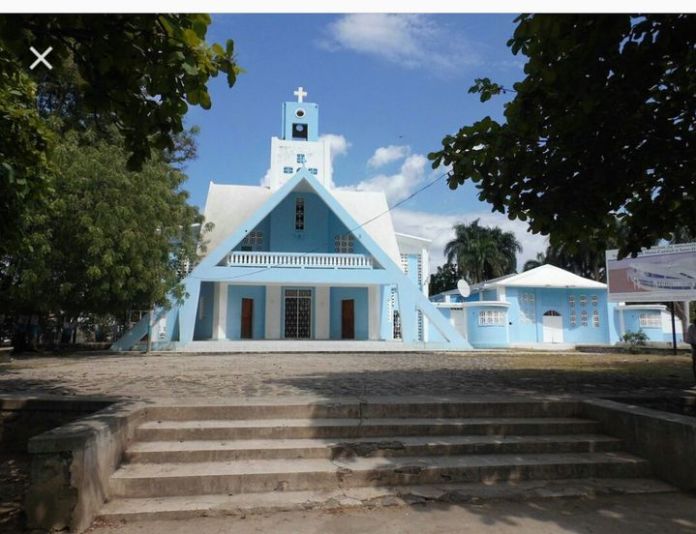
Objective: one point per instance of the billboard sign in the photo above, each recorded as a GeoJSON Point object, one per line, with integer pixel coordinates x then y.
{"type": "Point", "coordinates": [657, 274]}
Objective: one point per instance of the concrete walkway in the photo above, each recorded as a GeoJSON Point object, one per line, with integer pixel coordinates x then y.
{"type": "Point", "coordinates": [642, 514]}
{"type": "Point", "coordinates": [332, 375]}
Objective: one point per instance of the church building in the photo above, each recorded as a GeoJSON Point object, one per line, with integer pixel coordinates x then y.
{"type": "Point", "coordinates": [301, 260]}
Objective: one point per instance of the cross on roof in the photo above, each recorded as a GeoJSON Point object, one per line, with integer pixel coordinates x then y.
{"type": "Point", "coordinates": [300, 93]}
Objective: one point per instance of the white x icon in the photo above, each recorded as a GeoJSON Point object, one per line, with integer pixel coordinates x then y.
{"type": "Point", "coordinates": [41, 58]}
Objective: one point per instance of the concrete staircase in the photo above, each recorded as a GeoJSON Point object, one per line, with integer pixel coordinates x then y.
{"type": "Point", "coordinates": [254, 456]}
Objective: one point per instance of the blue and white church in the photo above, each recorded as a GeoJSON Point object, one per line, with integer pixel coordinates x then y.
{"type": "Point", "coordinates": [300, 259]}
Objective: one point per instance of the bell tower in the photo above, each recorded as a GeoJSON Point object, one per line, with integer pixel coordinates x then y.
{"type": "Point", "coordinates": [299, 144]}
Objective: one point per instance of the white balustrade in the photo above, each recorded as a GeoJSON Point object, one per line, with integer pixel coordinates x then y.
{"type": "Point", "coordinates": [299, 260]}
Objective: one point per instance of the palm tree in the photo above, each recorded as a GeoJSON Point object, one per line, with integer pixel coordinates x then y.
{"type": "Point", "coordinates": [482, 253]}
{"type": "Point", "coordinates": [536, 262]}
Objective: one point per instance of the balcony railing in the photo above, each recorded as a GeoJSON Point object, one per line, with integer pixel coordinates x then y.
{"type": "Point", "coordinates": [299, 260]}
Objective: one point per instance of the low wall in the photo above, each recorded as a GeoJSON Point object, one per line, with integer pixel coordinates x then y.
{"type": "Point", "coordinates": [666, 440]}
{"type": "Point", "coordinates": [71, 466]}
{"type": "Point", "coordinates": [21, 418]}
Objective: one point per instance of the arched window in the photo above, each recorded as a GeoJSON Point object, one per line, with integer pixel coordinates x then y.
{"type": "Point", "coordinates": [552, 313]}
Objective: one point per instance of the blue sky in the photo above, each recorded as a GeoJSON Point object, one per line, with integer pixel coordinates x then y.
{"type": "Point", "coordinates": [389, 87]}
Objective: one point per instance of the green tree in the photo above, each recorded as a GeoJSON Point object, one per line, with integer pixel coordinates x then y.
{"type": "Point", "coordinates": [600, 127]}
{"type": "Point", "coordinates": [109, 239]}
{"type": "Point", "coordinates": [482, 253]}
{"type": "Point", "coordinates": [138, 72]}
{"type": "Point", "coordinates": [538, 261]}
{"type": "Point", "coordinates": [444, 279]}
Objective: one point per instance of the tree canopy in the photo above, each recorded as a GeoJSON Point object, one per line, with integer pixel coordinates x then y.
{"type": "Point", "coordinates": [107, 240]}
{"type": "Point", "coordinates": [138, 73]}
{"type": "Point", "coordinates": [601, 127]}
{"type": "Point", "coordinates": [444, 279]}
{"type": "Point", "coordinates": [482, 253]}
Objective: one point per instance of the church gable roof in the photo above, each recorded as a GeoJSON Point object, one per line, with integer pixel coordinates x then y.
{"type": "Point", "coordinates": [302, 180]}
{"type": "Point", "coordinates": [231, 207]}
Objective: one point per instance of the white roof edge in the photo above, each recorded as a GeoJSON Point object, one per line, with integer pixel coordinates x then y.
{"type": "Point", "coordinates": [552, 276]}
{"type": "Point", "coordinates": [473, 303]}
{"type": "Point", "coordinates": [409, 236]}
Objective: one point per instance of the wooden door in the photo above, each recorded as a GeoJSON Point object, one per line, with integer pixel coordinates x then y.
{"type": "Point", "coordinates": [247, 331]}
{"type": "Point", "coordinates": [348, 319]}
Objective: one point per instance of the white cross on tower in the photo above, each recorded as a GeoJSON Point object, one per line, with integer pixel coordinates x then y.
{"type": "Point", "coordinates": [300, 93]}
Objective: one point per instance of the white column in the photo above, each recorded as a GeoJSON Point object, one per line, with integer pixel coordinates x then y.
{"type": "Point", "coordinates": [273, 299]}
{"type": "Point", "coordinates": [373, 309]}
{"type": "Point", "coordinates": [322, 312]}
{"type": "Point", "coordinates": [220, 311]}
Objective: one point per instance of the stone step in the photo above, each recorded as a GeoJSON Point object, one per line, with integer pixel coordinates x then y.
{"type": "Point", "coordinates": [353, 408]}
{"type": "Point", "coordinates": [213, 451]}
{"type": "Point", "coordinates": [355, 428]}
{"type": "Point", "coordinates": [254, 476]}
{"type": "Point", "coordinates": [174, 508]}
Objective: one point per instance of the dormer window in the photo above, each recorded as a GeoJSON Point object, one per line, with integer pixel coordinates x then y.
{"type": "Point", "coordinates": [299, 214]}
{"type": "Point", "coordinates": [301, 158]}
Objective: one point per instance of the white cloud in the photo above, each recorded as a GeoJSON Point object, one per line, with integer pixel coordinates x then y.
{"type": "Point", "coordinates": [409, 40]}
{"type": "Point", "coordinates": [388, 154]}
{"type": "Point", "coordinates": [438, 227]}
{"type": "Point", "coordinates": [397, 186]}
{"type": "Point", "coordinates": [339, 144]}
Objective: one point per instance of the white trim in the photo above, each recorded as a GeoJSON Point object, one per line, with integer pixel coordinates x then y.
{"type": "Point", "coordinates": [220, 311]}
{"type": "Point", "coordinates": [477, 303]}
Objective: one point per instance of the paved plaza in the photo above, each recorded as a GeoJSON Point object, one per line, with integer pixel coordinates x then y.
{"type": "Point", "coordinates": [339, 374]}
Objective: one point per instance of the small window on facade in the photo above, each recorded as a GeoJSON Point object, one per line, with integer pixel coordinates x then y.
{"type": "Point", "coordinates": [253, 240]}
{"type": "Point", "coordinates": [301, 158]}
{"type": "Point", "coordinates": [595, 300]}
{"type": "Point", "coordinates": [491, 318]}
{"type": "Point", "coordinates": [344, 244]}
{"type": "Point", "coordinates": [299, 213]}
{"type": "Point", "coordinates": [595, 318]}
{"type": "Point", "coordinates": [313, 170]}
{"type": "Point", "coordinates": [571, 301]}
{"type": "Point", "coordinates": [584, 318]}
{"type": "Point", "coordinates": [583, 300]}
{"type": "Point", "coordinates": [528, 308]}
{"type": "Point", "coordinates": [650, 320]}
{"type": "Point", "coordinates": [573, 319]}
{"type": "Point", "coordinates": [287, 170]}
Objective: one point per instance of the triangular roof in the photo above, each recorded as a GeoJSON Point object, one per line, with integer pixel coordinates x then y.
{"type": "Point", "coordinates": [229, 207]}
{"type": "Point", "coordinates": [303, 180]}
{"type": "Point", "coordinates": [543, 276]}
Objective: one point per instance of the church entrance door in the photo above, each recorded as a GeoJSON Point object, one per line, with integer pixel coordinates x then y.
{"type": "Point", "coordinates": [348, 319]}
{"type": "Point", "coordinates": [298, 313]}
{"type": "Point", "coordinates": [247, 330]}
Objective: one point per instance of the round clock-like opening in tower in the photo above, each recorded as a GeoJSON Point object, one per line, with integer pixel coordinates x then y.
{"type": "Point", "coordinates": [299, 113]}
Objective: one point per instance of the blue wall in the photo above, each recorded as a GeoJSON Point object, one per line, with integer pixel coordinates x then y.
{"type": "Point", "coordinates": [235, 294]}
{"type": "Point", "coordinates": [320, 228]}
{"type": "Point", "coordinates": [203, 328]}
{"type": "Point", "coordinates": [359, 294]}
{"type": "Point", "coordinates": [558, 299]}
{"type": "Point", "coordinates": [489, 336]}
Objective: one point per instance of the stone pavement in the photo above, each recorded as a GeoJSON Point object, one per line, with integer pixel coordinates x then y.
{"type": "Point", "coordinates": [339, 374]}
{"type": "Point", "coordinates": [634, 514]}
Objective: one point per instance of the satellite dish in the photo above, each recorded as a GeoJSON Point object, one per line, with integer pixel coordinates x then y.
{"type": "Point", "coordinates": [463, 288]}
